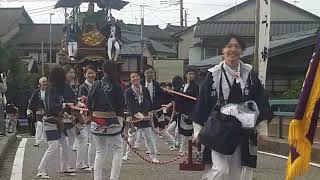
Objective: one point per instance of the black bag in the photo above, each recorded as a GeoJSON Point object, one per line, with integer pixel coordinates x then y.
{"type": "Point", "coordinates": [221, 133]}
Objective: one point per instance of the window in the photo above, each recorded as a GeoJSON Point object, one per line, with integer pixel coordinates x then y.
{"type": "Point", "coordinates": [209, 53]}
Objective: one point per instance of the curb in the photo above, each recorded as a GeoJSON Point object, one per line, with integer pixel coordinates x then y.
{"type": "Point", "coordinates": [5, 142]}
{"type": "Point", "coordinates": [281, 147]}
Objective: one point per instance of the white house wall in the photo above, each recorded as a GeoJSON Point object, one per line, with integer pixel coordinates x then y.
{"type": "Point", "coordinates": [185, 43]}
{"type": "Point", "coordinates": [195, 56]}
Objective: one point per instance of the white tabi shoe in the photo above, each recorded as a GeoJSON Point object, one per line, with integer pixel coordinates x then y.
{"type": "Point", "coordinates": [88, 169]}
{"type": "Point", "coordinates": [84, 170]}
{"type": "Point", "coordinates": [172, 148]}
{"type": "Point", "coordinates": [42, 176]}
{"type": "Point", "coordinates": [126, 158]}
{"type": "Point", "coordinates": [155, 160]}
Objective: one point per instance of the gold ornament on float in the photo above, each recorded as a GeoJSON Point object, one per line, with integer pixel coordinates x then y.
{"type": "Point", "coordinates": [92, 38]}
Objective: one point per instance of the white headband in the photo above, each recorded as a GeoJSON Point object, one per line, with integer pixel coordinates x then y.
{"type": "Point", "coordinates": [41, 80]}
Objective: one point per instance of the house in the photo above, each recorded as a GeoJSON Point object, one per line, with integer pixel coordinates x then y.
{"type": "Point", "coordinates": [172, 29]}
{"type": "Point", "coordinates": [209, 35]}
{"type": "Point", "coordinates": [10, 18]}
{"type": "Point", "coordinates": [289, 33]}
{"type": "Point", "coordinates": [289, 56]}
{"type": "Point", "coordinates": [203, 39]}
{"type": "Point", "coordinates": [30, 36]}
{"type": "Point", "coordinates": [152, 32]}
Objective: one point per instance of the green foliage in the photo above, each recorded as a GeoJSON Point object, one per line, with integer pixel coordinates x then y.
{"type": "Point", "coordinates": [292, 93]}
{"type": "Point", "coordinates": [20, 82]}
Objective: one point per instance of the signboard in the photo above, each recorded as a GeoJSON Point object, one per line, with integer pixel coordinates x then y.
{"type": "Point", "coordinates": [167, 69]}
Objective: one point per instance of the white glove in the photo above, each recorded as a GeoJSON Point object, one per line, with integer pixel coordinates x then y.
{"type": "Point", "coordinates": [139, 115]}
{"type": "Point", "coordinates": [3, 77]}
{"type": "Point", "coordinates": [29, 112]}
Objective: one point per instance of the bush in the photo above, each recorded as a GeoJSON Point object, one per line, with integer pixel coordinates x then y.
{"type": "Point", "coordinates": [292, 93]}
{"type": "Point", "coordinates": [20, 82]}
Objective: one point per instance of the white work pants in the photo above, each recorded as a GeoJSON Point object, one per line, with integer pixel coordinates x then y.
{"type": "Point", "coordinates": [52, 153]}
{"type": "Point", "coordinates": [147, 135]}
{"type": "Point", "coordinates": [173, 131]}
{"type": "Point", "coordinates": [39, 132]}
{"type": "Point", "coordinates": [102, 145]}
{"type": "Point", "coordinates": [72, 49]}
{"type": "Point", "coordinates": [92, 147]}
{"type": "Point", "coordinates": [82, 152]}
{"type": "Point", "coordinates": [184, 143]}
{"type": "Point", "coordinates": [228, 167]}
{"type": "Point", "coordinates": [112, 42]}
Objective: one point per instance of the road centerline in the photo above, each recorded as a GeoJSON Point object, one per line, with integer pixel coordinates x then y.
{"type": "Point", "coordinates": [17, 167]}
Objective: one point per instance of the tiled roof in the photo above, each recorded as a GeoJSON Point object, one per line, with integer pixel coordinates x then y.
{"type": "Point", "coordinates": [172, 29]}
{"type": "Point", "coordinates": [278, 45]}
{"type": "Point", "coordinates": [37, 33]}
{"type": "Point", "coordinates": [34, 34]}
{"type": "Point", "coordinates": [11, 17]}
{"type": "Point", "coordinates": [246, 3]}
{"type": "Point", "coordinates": [150, 31]}
{"type": "Point", "coordinates": [247, 28]}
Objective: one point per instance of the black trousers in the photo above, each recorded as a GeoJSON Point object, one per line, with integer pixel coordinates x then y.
{"type": "Point", "coordinates": [31, 123]}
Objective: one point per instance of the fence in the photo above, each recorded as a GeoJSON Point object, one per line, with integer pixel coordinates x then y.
{"type": "Point", "coordinates": [279, 105]}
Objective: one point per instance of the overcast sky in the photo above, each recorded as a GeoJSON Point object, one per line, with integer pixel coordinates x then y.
{"type": "Point", "coordinates": [155, 13]}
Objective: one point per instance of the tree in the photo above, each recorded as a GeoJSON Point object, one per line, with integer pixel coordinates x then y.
{"type": "Point", "coordinates": [20, 82]}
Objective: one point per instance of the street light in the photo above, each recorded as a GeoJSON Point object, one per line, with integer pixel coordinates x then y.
{"type": "Point", "coordinates": [50, 38]}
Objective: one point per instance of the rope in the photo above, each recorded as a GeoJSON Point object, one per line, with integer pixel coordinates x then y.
{"type": "Point", "coordinates": [138, 120]}
{"type": "Point", "coordinates": [166, 128]}
{"type": "Point", "coordinates": [154, 129]}
{"type": "Point", "coordinates": [149, 161]}
{"type": "Point", "coordinates": [78, 108]}
{"type": "Point", "coordinates": [134, 150]}
{"type": "Point", "coordinates": [165, 89]}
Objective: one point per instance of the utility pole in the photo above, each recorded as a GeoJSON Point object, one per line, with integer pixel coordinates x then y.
{"type": "Point", "coordinates": [65, 16]}
{"type": "Point", "coordinates": [256, 45]}
{"type": "Point", "coordinates": [50, 38]}
{"type": "Point", "coordinates": [175, 3]}
{"type": "Point", "coordinates": [141, 35]}
{"type": "Point", "coordinates": [185, 18]}
{"type": "Point", "coordinates": [181, 13]}
{"type": "Point", "coordinates": [42, 60]}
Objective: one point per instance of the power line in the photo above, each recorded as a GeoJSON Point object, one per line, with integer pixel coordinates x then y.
{"type": "Point", "coordinates": [39, 11]}
{"type": "Point", "coordinates": [208, 4]}
{"type": "Point", "coordinates": [40, 8]}
{"type": "Point", "coordinates": [156, 16]}
{"type": "Point", "coordinates": [132, 13]}
{"type": "Point", "coordinates": [59, 15]}
{"type": "Point", "coordinates": [160, 9]}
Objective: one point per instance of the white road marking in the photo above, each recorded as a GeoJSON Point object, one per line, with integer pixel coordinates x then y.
{"type": "Point", "coordinates": [285, 157]}
{"type": "Point", "coordinates": [16, 173]}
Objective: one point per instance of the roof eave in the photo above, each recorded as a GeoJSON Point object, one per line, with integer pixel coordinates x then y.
{"type": "Point", "coordinates": [25, 14]}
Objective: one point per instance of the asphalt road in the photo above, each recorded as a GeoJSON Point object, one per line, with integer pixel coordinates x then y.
{"type": "Point", "coordinates": [269, 167]}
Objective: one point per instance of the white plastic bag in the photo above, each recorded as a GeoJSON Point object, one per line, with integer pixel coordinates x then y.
{"type": "Point", "coordinates": [247, 113]}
